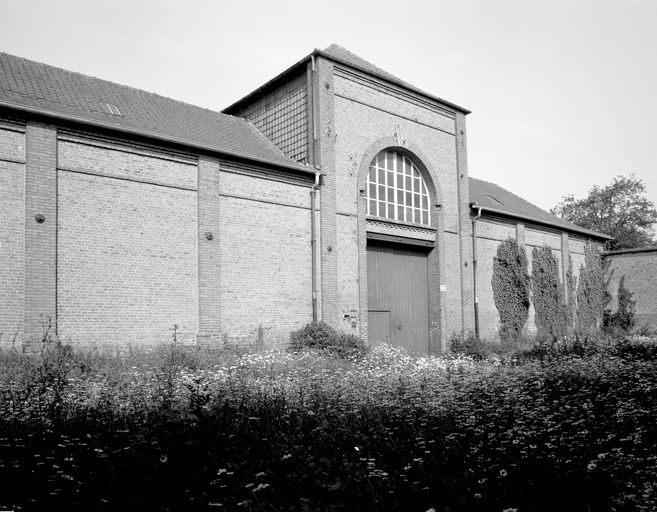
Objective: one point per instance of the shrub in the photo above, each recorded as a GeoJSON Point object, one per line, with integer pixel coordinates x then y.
{"type": "Point", "coordinates": [624, 317]}
{"type": "Point", "coordinates": [319, 335]}
{"type": "Point", "coordinates": [511, 289]}
{"type": "Point", "coordinates": [548, 295]}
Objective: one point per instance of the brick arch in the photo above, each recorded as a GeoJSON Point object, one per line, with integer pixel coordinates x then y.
{"type": "Point", "coordinates": [436, 261]}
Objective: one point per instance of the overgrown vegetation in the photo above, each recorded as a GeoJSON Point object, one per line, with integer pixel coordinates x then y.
{"type": "Point", "coordinates": [511, 289]}
{"type": "Point", "coordinates": [320, 336]}
{"type": "Point", "coordinates": [624, 319]}
{"type": "Point", "coordinates": [571, 428]}
{"type": "Point", "coordinates": [592, 295]}
{"type": "Point", "coordinates": [548, 295]}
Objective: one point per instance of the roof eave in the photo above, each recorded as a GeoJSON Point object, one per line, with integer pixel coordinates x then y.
{"type": "Point", "coordinates": [574, 229]}
{"type": "Point", "coordinates": [155, 136]}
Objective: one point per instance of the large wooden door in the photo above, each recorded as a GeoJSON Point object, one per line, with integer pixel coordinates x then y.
{"type": "Point", "coordinates": [398, 298]}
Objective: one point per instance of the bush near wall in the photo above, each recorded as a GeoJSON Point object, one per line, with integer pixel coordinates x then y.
{"type": "Point", "coordinates": [548, 295]}
{"type": "Point", "coordinates": [592, 295]}
{"type": "Point", "coordinates": [511, 289]}
{"type": "Point", "coordinates": [624, 318]}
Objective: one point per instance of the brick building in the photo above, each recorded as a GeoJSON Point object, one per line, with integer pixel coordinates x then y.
{"type": "Point", "coordinates": [335, 191]}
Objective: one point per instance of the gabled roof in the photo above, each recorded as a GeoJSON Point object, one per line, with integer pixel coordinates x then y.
{"type": "Point", "coordinates": [343, 56]}
{"type": "Point", "coordinates": [33, 87]}
{"type": "Point", "coordinates": [495, 199]}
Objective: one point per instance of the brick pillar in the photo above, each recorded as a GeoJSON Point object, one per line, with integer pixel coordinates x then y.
{"type": "Point", "coordinates": [465, 226]}
{"type": "Point", "coordinates": [328, 260]}
{"type": "Point", "coordinates": [209, 240]}
{"type": "Point", "coordinates": [520, 234]}
{"type": "Point", "coordinates": [40, 229]}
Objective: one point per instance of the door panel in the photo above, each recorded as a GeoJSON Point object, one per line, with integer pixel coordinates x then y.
{"type": "Point", "coordinates": [397, 282]}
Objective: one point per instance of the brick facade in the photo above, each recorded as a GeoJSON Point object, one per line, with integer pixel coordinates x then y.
{"type": "Point", "coordinates": [171, 222]}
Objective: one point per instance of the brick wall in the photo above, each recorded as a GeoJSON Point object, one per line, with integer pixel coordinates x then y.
{"type": "Point", "coordinates": [127, 246]}
{"type": "Point", "coordinates": [264, 238]}
{"type": "Point", "coordinates": [639, 267]}
{"type": "Point", "coordinates": [12, 231]}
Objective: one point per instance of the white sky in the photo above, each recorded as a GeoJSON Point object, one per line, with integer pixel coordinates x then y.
{"type": "Point", "coordinates": [563, 93]}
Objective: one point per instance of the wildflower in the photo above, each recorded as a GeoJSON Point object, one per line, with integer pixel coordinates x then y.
{"type": "Point", "coordinates": [164, 459]}
{"type": "Point", "coordinates": [477, 495]}
{"type": "Point", "coordinates": [592, 465]}
{"type": "Point", "coordinates": [503, 473]}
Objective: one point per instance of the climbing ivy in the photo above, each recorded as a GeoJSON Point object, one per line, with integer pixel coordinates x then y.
{"type": "Point", "coordinates": [624, 317]}
{"type": "Point", "coordinates": [592, 295]}
{"type": "Point", "coordinates": [511, 289]}
{"type": "Point", "coordinates": [548, 295]}
{"type": "Point", "coordinates": [571, 293]}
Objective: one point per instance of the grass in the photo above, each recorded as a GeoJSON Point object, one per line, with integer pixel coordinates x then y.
{"type": "Point", "coordinates": [568, 428]}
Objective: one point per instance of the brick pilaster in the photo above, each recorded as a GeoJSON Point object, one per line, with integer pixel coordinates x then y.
{"type": "Point", "coordinates": [40, 229]}
{"type": "Point", "coordinates": [209, 243]}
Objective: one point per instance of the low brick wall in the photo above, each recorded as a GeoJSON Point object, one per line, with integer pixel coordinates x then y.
{"type": "Point", "coordinates": [639, 267]}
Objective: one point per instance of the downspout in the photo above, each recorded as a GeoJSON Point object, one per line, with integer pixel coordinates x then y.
{"type": "Point", "coordinates": [313, 242]}
{"type": "Point", "coordinates": [474, 265]}
{"type": "Point", "coordinates": [316, 185]}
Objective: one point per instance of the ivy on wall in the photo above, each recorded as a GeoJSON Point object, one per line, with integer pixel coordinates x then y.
{"type": "Point", "coordinates": [592, 295]}
{"type": "Point", "coordinates": [571, 293]}
{"type": "Point", "coordinates": [511, 289]}
{"type": "Point", "coordinates": [625, 316]}
{"type": "Point", "coordinates": [548, 295]}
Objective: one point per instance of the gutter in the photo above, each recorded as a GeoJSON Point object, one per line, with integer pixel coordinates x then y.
{"type": "Point", "coordinates": [150, 135]}
{"type": "Point", "coordinates": [313, 243]}
{"type": "Point", "coordinates": [474, 265]}
{"type": "Point", "coordinates": [573, 228]}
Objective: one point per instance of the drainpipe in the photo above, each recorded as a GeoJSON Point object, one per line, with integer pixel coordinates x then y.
{"type": "Point", "coordinates": [313, 242]}
{"type": "Point", "coordinates": [313, 191]}
{"type": "Point", "coordinates": [474, 265]}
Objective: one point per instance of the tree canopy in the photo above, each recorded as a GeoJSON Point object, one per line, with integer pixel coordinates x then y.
{"type": "Point", "coordinates": [619, 209]}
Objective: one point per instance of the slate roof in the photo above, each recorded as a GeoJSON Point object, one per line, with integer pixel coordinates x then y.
{"type": "Point", "coordinates": [35, 87]}
{"type": "Point", "coordinates": [496, 199]}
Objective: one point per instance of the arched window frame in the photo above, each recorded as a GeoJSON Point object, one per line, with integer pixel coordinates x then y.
{"type": "Point", "coordinates": [396, 190]}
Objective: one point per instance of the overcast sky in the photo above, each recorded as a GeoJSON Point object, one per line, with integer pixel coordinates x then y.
{"type": "Point", "coordinates": [563, 93]}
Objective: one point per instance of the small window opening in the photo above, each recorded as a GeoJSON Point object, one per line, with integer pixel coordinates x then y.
{"type": "Point", "coordinates": [110, 108]}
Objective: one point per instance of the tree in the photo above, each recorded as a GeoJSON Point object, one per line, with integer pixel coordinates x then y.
{"type": "Point", "coordinates": [619, 209]}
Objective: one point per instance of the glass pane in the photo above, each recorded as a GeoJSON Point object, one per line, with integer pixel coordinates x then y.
{"type": "Point", "coordinates": [391, 178]}
{"type": "Point", "coordinates": [389, 157]}
{"type": "Point", "coordinates": [416, 216]}
{"type": "Point", "coordinates": [391, 211]}
{"type": "Point", "coordinates": [391, 195]}
{"type": "Point", "coordinates": [409, 214]}
{"type": "Point", "coordinates": [400, 197]}
{"type": "Point", "coordinates": [408, 183]}
{"type": "Point", "coordinates": [425, 203]}
{"type": "Point", "coordinates": [400, 213]}
{"type": "Point", "coordinates": [382, 209]}
{"type": "Point", "coordinates": [416, 185]}
{"type": "Point", "coordinates": [381, 176]}
{"type": "Point", "coordinates": [424, 218]}
{"type": "Point", "coordinates": [371, 175]}
{"type": "Point", "coordinates": [417, 200]}
{"type": "Point", "coordinates": [372, 207]}
{"type": "Point", "coordinates": [409, 199]}
{"type": "Point", "coordinates": [372, 191]}
{"type": "Point", "coordinates": [400, 162]}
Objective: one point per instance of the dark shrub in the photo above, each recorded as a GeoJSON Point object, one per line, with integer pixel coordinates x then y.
{"type": "Point", "coordinates": [318, 335]}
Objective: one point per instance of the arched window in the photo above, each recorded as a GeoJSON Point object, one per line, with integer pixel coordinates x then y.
{"type": "Point", "coordinates": [396, 190]}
